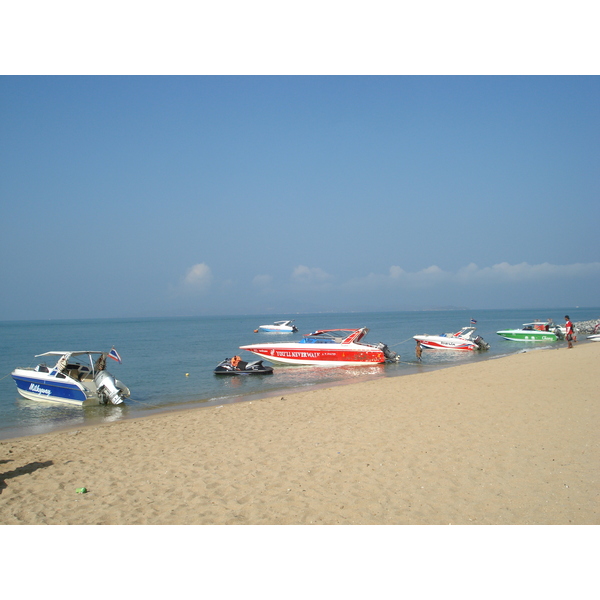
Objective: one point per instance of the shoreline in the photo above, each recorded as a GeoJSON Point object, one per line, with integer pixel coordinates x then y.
{"type": "Point", "coordinates": [508, 441]}
{"type": "Point", "coordinates": [198, 404]}
{"type": "Point", "coordinates": [159, 388]}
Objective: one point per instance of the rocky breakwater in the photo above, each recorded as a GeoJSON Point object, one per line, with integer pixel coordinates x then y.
{"type": "Point", "coordinates": [587, 327]}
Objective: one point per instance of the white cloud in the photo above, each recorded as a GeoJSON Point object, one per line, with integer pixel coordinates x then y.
{"type": "Point", "coordinates": [507, 273]}
{"type": "Point", "coordinates": [198, 277]}
{"type": "Point", "coordinates": [306, 275]}
{"type": "Point", "coordinates": [312, 288]}
{"type": "Point", "coordinates": [396, 272]}
{"type": "Point", "coordinates": [472, 274]}
{"type": "Point", "coordinates": [399, 278]}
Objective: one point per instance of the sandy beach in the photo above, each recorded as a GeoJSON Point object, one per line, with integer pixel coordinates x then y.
{"type": "Point", "coordinates": [505, 441]}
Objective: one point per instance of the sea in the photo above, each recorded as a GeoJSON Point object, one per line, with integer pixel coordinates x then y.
{"type": "Point", "coordinates": [168, 363]}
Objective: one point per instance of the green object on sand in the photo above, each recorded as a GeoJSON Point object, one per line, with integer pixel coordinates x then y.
{"type": "Point", "coordinates": [81, 490]}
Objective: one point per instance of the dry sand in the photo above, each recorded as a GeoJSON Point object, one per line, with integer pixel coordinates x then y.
{"type": "Point", "coordinates": [505, 441]}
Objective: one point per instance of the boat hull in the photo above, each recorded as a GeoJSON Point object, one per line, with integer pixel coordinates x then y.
{"type": "Point", "coordinates": [441, 343]}
{"type": "Point", "coordinates": [304, 354]}
{"type": "Point", "coordinates": [522, 335]}
{"type": "Point", "coordinates": [72, 381]}
{"type": "Point", "coordinates": [49, 390]}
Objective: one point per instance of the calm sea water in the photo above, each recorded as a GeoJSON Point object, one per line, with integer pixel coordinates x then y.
{"type": "Point", "coordinates": [158, 353]}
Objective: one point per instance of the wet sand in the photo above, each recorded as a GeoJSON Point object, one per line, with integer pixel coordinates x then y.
{"type": "Point", "coordinates": [512, 440]}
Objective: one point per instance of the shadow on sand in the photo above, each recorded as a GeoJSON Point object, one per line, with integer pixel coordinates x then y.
{"type": "Point", "coordinates": [30, 468]}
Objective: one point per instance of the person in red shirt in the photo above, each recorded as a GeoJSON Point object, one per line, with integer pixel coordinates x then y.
{"type": "Point", "coordinates": [569, 332]}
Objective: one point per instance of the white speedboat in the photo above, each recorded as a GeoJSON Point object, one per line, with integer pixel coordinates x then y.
{"type": "Point", "coordinates": [78, 378]}
{"type": "Point", "coordinates": [595, 337]}
{"type": "Point", "coordinates": [278, 327]}
{"type": "Point", "coordinates": [330, 347]}
{"type": "Point", "coordinates": [465, 339]}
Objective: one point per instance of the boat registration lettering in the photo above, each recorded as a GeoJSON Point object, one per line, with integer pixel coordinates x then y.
{"type": "Point", "coordinates": [34, 387]}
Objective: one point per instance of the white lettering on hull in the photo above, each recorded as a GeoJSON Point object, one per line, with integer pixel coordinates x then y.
{"type": "Point", "coordinates": [34, 387]}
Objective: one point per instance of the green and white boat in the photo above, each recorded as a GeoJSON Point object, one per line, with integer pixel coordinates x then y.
{"type": "Point", "coordinates": [537, 331]}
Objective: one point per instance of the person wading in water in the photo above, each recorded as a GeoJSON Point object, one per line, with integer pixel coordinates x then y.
{"type": "Point", "coordinates": [418, 350]}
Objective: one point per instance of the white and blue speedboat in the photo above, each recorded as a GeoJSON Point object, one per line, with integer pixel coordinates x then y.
{"type": "Point", "coordinates": [278, 327]}
{"type": "Point", "coordinates": [78, 378]}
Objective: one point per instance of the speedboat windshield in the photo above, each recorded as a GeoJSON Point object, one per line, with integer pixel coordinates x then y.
{"type": "Point", "coordinates": [79, 360]}
{"type": "Point", "coordinates": [334, 336]}
{"type": "Point", "coordinates": [465, 332]}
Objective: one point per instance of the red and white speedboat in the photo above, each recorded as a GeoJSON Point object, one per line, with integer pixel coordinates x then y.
{"type": "Point", "coordinates": [330, 347]}
{"type": "Point", "coordinates": [465, 339]}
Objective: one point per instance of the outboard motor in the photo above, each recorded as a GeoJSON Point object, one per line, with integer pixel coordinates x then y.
{"type": "Point", "coordinates": [389, 354]}
{"type": "Point", "coordinates": [108, 388]}
{"type": "Point", "coordinates": [481, 343]}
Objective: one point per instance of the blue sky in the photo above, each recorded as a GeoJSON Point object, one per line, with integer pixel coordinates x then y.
{"type": "Point", "coordinates": [195, 195]}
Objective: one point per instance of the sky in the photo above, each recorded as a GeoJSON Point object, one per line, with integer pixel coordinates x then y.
{"type": "Point", "coordinates": [198, 195]}
{"type": "Point", "coordinates": [243, 193]}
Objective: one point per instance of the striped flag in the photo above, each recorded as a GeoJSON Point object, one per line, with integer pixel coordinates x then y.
{"type": "Point", "coordinates": [114, 355]}
{"type": "Point", "coordinates": [473, 322]}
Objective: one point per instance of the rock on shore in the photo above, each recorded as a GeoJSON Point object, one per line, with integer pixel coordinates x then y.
{"type": "Point", "coordinates": [587, 327]}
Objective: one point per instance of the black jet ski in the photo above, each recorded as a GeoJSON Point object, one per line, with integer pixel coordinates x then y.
{"type": "Point", "coordinates": [237, 366]}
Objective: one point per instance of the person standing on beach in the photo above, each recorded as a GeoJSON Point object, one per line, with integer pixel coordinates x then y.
{"type": "Point", "coordinates": [418, 350]}
{"type": "Point", "coordinates": [569, 332]}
